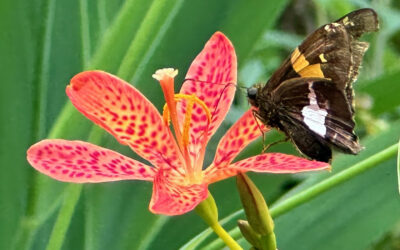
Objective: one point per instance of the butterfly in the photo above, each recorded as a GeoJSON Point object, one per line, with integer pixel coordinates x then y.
{"type": "Point", "coordinates": [310, 97]}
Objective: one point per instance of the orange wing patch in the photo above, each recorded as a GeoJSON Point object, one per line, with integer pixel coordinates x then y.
{"type": "Point", "coordinates": [313, 70]}
{"type": "Point", "coordinates": [303, 67]}
{"type": "Point", "coordinates": [298, 60]}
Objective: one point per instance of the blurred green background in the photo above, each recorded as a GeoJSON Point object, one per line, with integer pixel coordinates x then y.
{"type": "Point", "coordinates": [43, 43]}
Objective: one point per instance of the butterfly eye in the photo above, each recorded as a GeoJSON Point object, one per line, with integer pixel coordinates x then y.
{"type": "Point", "coordinates": [252, 93]}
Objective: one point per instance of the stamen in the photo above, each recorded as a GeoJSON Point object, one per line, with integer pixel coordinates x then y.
{"type": "Point", "coordinates": [191, 100]}
{"type": "Point", "coordinates": [197, 101]}
{"type": "Point", "coordinates": [188, 118]}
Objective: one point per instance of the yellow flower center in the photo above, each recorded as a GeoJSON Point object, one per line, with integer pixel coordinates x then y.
{"type": "Point", "coordinates": [191, 100]}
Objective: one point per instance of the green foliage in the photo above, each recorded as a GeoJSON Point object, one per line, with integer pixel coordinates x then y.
{"type": "Point", "coordinates": [45, 42]}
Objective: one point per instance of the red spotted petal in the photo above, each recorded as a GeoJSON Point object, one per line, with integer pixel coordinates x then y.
{"type": "Point", "coordinates": [171, 198]}
{"type": "Point", "coordinates": [241, 134]}
{"type": "Point", "coordinates": [82, 162]}
{"type": "Point", "coordinates": [215, 65]}
{"type": "Point", "coordinates": [124, 112]}
{"type": "Point", "coordinates": [267, 163]}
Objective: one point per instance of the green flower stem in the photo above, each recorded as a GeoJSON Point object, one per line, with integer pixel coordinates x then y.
{"type": "Point", "coordinates": [325, 185]}
{"type": "Point", "coordinates": [207, 210]}
{"type": "Point", "coordinates": [223, 235]}
{"type": "Point", "coordinates": [270, 241]}
{"type": "Point", "coordinates": [72, 194]}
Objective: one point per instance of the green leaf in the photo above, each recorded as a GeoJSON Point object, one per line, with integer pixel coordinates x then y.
{"type": "Point", "coordinates": [378, 89]}
{"type": "Point", "coordinates": [17, 50]}
{"type": "Point", "coordinates": [259, 15]}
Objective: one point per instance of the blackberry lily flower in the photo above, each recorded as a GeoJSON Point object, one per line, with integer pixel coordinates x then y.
{"type": "Point", "coordinates": [180, 183]}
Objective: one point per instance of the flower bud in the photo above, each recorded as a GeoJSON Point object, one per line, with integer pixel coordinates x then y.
{"type": "Point", "coordinates": [254, 206]}
{"type": "Point", "coordinates": [249, 234]}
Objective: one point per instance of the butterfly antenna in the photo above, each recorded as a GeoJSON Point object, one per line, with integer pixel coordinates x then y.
{"type": "Point", "coordinates": [196, 80]}
{"type": "Point", "coordinates": [226, 85]}
{"type": "Point", "coordinates": [243, 89]}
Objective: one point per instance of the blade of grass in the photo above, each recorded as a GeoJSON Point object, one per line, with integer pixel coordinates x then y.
{"type": "Point", "coordinates": [148, 33]}
{"type": "Point", "coordinates": [85, 34]}
{"type": "Point", "coordinates": [119, 35]}
{"type": "Point", "coordinates": [24, 235]}
{"type": "Point", "coordinates": [157, 40]}
{"type": "Point", "coordinates": [151, 234]}
{"type": "Point", "coordinates": [42, 79]}
{"type": "Point", "coordinates": [101, 13]}
{"type": "Point", "coordinates": [398, 166]}
{"type": "Point", "coordinates": [72, 194]}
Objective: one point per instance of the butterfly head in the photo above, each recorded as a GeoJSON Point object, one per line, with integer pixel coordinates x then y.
{"type": "Point", "coordinates": [253, 95]}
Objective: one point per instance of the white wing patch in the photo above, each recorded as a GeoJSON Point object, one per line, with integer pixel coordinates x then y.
{"type": "Point", "coordinates": [314, 116]}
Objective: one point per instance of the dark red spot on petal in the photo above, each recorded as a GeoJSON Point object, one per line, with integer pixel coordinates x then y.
{"type": "Point", "coordinates": [129, 131]}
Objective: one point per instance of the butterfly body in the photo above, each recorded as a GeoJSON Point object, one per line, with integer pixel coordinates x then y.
{"type": "Point", "coordinates": [310, 97]}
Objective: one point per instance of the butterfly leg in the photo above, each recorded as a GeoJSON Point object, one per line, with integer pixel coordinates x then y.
{"type": "Point", "coordinates": [256, 118]}
{"type": "Point", "coordinates": [266, 147]}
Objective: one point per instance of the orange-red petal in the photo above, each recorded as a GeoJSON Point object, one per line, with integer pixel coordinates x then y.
{"type": "Point", "coordinates": [124, 112]}
{"type": "Point", "coordinates": [216, 66]}
{"type": "Point", "coordinates": [172, 198]}
{"type": "Point", "coordinates": [241, 134]}
{"type": "Point", "coordinates": [266, 163]}
{"type": "Point", "coordinates": [82, 162]}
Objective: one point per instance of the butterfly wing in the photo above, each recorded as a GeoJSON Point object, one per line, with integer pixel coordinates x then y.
{"type": "Point", "coordinates": [310, 97]}
{"type": "Point", "coordinates": [315, 111]}
{"type": "Point", "coordinates": [332, 51]}
{"type": "Point", "coordinates": [306, 141]}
